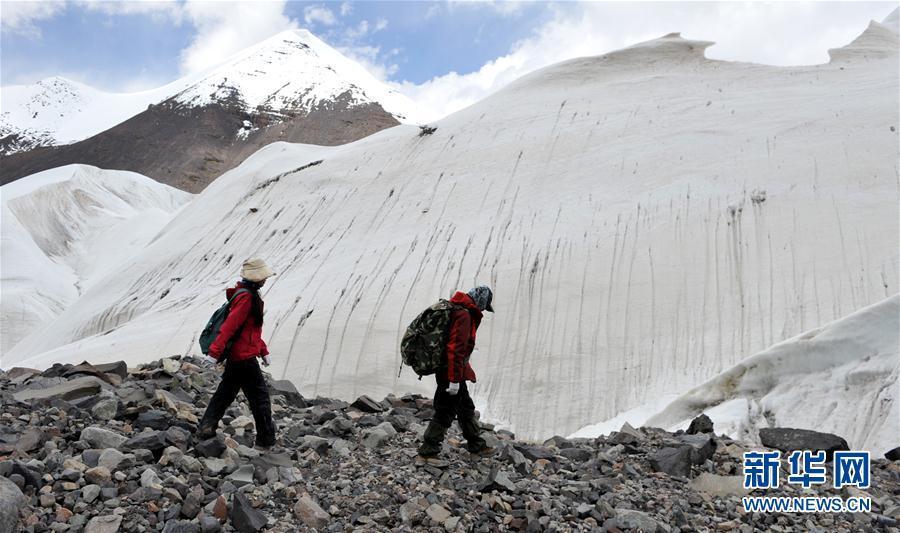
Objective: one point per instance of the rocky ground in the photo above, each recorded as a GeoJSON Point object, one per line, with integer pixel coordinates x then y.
{"type": "Point", "coordinates": [106, 448]}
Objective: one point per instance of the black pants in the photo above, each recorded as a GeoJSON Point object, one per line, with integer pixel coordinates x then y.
{"type": "Point", "coordinates": [242, 376]}
{"type": "Point", "coordinates": [446, 408]}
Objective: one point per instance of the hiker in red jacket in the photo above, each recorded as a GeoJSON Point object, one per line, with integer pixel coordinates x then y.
{"type": "Point", "coordinates": [243, 329]}
{"type": "Point", "coordinates": [451, 399]}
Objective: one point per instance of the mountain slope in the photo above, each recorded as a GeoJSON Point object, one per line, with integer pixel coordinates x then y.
{"type": "Point", "coordinates": [291, 87]}
{"type": "Point", "coordinates": [647, 218]}
{"type": "Point", "coordinates": [67, 228]}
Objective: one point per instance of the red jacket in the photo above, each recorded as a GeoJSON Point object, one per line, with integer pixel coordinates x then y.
{"type": "Point", "coordinates": [463, 325]}
{"type": "Point", "coordinates": [248, 341]}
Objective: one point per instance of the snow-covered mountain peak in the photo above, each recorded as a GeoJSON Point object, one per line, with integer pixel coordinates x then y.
{"type": "Point", "coordinates": [292, 72]}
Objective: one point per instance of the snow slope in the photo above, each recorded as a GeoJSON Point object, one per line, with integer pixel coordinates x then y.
{"type": "Point", "coordinates": [840, 378]}
{"type": "Point", "coordinates": [647, 219]}
{"type": "Point", "coordinates": [291, 72]}
{"type": "Point", "coordinates": [65, 229]}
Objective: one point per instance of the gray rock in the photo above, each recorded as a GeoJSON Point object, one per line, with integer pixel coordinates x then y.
{"type": "Point", "coordinates": [100, 438]}
{"type": "Point", "coordinates": [536, 452]}
{"type": "Point", "coordinates": [242, 476]}
{"type": "Point", "coordinates": [287, 389]}
{"type": "Point", "coordinates": [638, 520]}
{"type": "Point", "coordinates": [701, 424]}
{"type": "Point", "coordinates": [178, 437]}
{"type": "Point", "coordinates": [210, 447]}
{"type": "Point", "coordinates": [312, 442]}
{"type": "Point", "coordinates": [11, 500]}
{"type": "Point", "coordinates": [312, 515]}
{"type": "Point", "coordinates": [103, 524]}
{"type": "Point", "coordinates": [577, 455]}
{"type": "Point", "coordinates": [244, 517]}
{"type": "Point", "coordinates": [337, 427]}
{"type": "Point", "coordinates": [209, 524]}
{"type": "Point", "coordinates": [70, 390]}
{"type": "Point", "coordinates": [893, 455]}
{"type": "Point", "coordinates": [673, 461]}
{"type": "Point", "coordinates": [111, 458]}
{"type": "Point", "coordinates": [703, 446]}
{"type": "Point", "coordinates": [497, 480]}
{"type": "Point", "coordinates": [378, 435]}
{"type": "Point", "coordinates": [367, 405]}
{"type": "Point", "coordinates": [437, 513]}
{"type": "Point", "coordinates": [150, 479]}
{"type": "Point", "coordinates": [119, 368]}
{"type": "Point", "coordinates": [213, 466]}
{"type": "Point", "coordinates": [153, 419]}
{"type": "Point", "coordinates": [181, 526]}
{"type": "Point", "coordinates": [790, 439]}
{"type": "Point", "coordinates": [90, 492]}
{"type": "Point", "coordinates": [106, 409]}
{"type": "Point", "coordinates": [155, 441]}
{"type": "Point", "coordinates": [32, 439]}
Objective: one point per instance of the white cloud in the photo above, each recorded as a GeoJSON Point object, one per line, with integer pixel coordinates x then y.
{"type": "Point", "coordinates": [775, 34]}
{"type": "Point", "coordinates": [226, 28]}
{"type": "Point", "coordinates": [346, 8]}
{"type": "Point", "coordinates": [319, 15]}
{"type": "Point", "coordinates": [380, 24]}
{"type": "Point", "coordinates": [168, 9]}
{"type": "Point", "coordinates": [20, 17]}
{"type": "Point", "coordinates": [367, 56]}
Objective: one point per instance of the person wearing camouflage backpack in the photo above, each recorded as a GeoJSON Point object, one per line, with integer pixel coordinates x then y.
{"type": "Point", "coordinates": [451, 398]}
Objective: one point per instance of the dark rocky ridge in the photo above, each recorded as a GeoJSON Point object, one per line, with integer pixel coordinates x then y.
{"type": "Point", "coordinates": [188, 147]}
{"type": "Point", "coordinates": [125, 459]}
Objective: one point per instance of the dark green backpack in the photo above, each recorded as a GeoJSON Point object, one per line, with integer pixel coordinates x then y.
{"type": "Point", "coordinates": [425, 340]}
{"type": "Point", "coordinates": [211, 331]}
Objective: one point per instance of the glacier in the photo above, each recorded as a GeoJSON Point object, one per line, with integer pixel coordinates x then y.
{"type": "Point", "coordinates": [647, 219]}
{"type": "Point", "coordinates": [64, 229]}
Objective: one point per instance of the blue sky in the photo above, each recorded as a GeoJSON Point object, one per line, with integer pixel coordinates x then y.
{"type": "Point", "coordinates": [444, 54]}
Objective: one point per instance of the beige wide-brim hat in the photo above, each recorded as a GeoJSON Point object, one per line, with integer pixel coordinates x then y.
{"type": "Point", "coordinates": [255, 270]}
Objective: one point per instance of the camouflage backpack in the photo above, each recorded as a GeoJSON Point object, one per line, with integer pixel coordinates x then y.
{"type": "Point", "coordinates": [425, 340]}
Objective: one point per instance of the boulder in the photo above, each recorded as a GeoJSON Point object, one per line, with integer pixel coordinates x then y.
{"type": "Point", "coordinates": [496, 480]}
{"type": "Point", "coordinates": [437, 513]}
{"type": "Point", "coordinates": [636, 520]}
{"type": "Point", "coordinates": [73, 389]}
{"type": "Point", "coordinates": [100, 438]}
{"type": "Point", "coordinates": [790, 439]}
{"type": "Point", "coordinates": [210, 447]}
{"type": "Point", "coordinates": [311, 514]}
{"type": "Point", "coordinates": [104, 524]}
{"type": "Point", "coordinates": [105, 409]}
{"type": "Point", "coordinates": [378, 435]}
{"type": "Point", "coordinates": [576, 455]}
{"type": "Point", "coordinates": [893, 455]}
{"type": "Point", "coordinates": [11, 500]}
{"type": "Point", "coordinates": [703, 446]}
{"type": "Point", "coordinates": [111, 458]}
{"type": "Point", "coordinates": [32, 439]}
{"type": "Point", "coordinates": [244, 517]}
{"type": "Point", "coordinates": [701, 424]}
{"type": "Point", "coordinates": [181, 526]}
{"type": "Point", "coordinates": [155, 441]}
{"type": "Point", "coordinates": [290, 393]}
{"type": "Point", "coordinates": [367, 405]}
{"type": "Point", "coordinates": [675, 461]}
{"type": "Point", "coordinates": [153, 419]}
{"type": "Point", "coordinates": [119, 368]}
{"type": "Point", "coordinates": [537, 452]}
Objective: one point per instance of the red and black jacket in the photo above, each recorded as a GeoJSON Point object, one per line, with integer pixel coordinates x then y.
{"type": "Point", "coordinates": [242, 326]}
{"type": "Point", "coordinates": [461, 341]}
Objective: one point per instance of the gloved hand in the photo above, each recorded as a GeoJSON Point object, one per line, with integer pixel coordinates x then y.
{"type": "Point", "coordinates": [453, 389]}
{"type": "Point", "coordinates": [209, 360]}
{"type": "Point", "coordinates": [266, 361]}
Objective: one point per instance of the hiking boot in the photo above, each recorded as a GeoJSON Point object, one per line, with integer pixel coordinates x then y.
{"type": "Point", "coordinates": [431, 460]}
{"type": "Point", "coordinates": [487, 451]}
{"type": "Point", "coordinates": [205, 433]}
